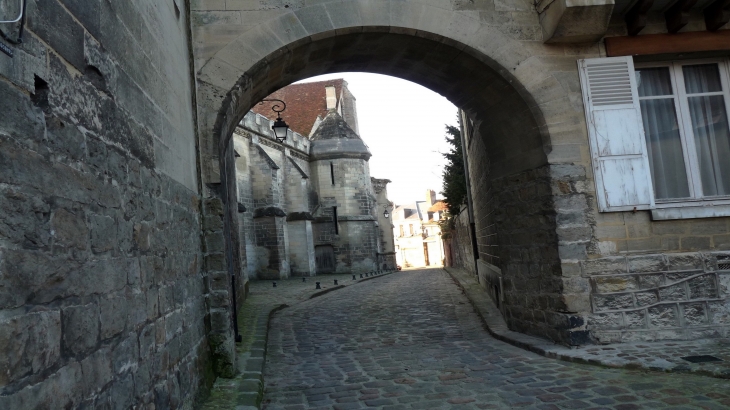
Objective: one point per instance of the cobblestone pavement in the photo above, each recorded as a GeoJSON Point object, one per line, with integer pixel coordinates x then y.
{"type": "Point", "coordinates": [412, 341]}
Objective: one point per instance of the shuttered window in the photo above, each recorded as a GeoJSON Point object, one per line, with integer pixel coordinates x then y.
{"type": "Point", "coordinates": [681, 140]}
{"type": "Point", "coordinates": [613, 116]}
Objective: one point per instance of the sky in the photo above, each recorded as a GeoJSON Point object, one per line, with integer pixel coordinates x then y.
{"type": "Point", "coordinates": [403, 124]}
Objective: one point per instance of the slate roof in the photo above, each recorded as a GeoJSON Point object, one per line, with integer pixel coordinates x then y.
{"type": "Point", "coordinates": [304, 103]}
{"type": "Point", "coordinates": [335, 139]}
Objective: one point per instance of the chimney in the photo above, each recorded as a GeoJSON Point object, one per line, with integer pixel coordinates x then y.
{"type": "Point", "coordinates": [430, 197]}
{"type": "Point", "coordinates": [331, 97]}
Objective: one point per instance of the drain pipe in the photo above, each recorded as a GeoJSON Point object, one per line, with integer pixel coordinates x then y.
{"type": "Point", "coordinates": [469, 202]}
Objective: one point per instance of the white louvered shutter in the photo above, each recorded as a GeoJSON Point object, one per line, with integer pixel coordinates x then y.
{"type": "Point", "coordinates": [616, 133]}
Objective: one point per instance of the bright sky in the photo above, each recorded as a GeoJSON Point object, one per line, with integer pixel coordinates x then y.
{"type": "Point", "coordinates": [403, 124]}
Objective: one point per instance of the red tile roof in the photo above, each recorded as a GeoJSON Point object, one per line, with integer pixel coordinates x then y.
{"type": "Point", "coordinates": [304, 102]}
{"type": "Point", "coordinates": [438, 207]}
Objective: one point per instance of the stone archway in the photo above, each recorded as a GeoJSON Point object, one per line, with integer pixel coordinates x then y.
{"type": "Point", "coordinates": [522, 96]}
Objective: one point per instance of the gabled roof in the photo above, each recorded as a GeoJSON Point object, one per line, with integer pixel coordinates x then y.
{"type": "Point", "coordinates": [304, 103]}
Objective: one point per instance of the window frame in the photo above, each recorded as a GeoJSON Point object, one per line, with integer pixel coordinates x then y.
{"type": "Point", "coordinates": [684, 122]}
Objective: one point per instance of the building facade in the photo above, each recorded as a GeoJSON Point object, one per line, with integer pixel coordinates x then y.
{"type": "Point", "coordinates": [309, 205]}
{"type": "Point", "coordinates": [417, 233]}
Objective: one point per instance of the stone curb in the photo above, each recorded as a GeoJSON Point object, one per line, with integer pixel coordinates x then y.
{"type": "Point", "coordinates": [497, 327]}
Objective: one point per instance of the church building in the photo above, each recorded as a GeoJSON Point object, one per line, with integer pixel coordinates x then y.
{"type": "Point", "coordinates": [308, 205]}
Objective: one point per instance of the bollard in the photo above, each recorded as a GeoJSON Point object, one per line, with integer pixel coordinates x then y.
{"type": "Point", "coordinates": [361, 276]}
{"type": "Point", "coordinates": [274, 283]}
{"type": "Point", "coordinates": [335, 282]}
{"type": "Point", "coordinates": [318, 287]}
{"type": "Point", "coordinates": [304, 279]}
{"type": "Point", "coordinates": [353, 277]}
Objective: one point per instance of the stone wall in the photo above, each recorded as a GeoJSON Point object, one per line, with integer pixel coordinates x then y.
{"type": "Point", "coordinates": [102, 288]}
{"type": "Point", "coordinates": [652, 297]}
{"type": "Point", "coordinates": [459, 243]}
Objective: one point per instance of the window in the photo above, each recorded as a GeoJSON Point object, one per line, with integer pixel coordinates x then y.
{"type": "Point", "coordinates": [659, 135]}
{"type": "Point", "coordinates": [685, 117]}
{"type": "Point", "coordinates": [401, 231]}
{"type": "Point", "coordinates": [411, 229]}
{"type": "Point", "coordinates": [334, 219]}
{"type": "Point", "coordinates": [332, 172]}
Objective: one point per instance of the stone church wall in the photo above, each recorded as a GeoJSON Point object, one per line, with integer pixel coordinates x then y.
{"type": "Point", "coordinates": [102, 287]}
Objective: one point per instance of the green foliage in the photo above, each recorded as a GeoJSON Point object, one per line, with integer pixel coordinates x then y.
{"type": "Point", "coordinates": [454, 188]}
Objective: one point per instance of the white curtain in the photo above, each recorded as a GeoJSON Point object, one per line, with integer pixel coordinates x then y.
{"type": "Point", "coordinates": [710, 127]}
{"type": "Point", "coordinates": [661, 129]}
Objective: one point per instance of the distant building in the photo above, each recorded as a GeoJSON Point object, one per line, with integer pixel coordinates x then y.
{"type": "Point", "coordinates": [309, 206]}
{"type": "Point", "coordinates": [417, 232]}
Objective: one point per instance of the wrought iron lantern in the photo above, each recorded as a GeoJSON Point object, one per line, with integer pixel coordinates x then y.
{"type": "Point", "coordinates": [280, 126]}
{"type": "Point", "coordinates": [387, 207]}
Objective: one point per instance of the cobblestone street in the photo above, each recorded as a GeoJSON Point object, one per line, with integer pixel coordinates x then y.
{"type": "Point", "coordinates": [411, 340]}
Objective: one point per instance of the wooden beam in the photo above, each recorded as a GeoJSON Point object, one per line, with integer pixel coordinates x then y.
{"type": "Point", "coordinates": [695, 41]}
{"type": "Point", "coordinates": [636, 17]}
{"type": "Point", "coordinates": [717, 14]}
{"type": "Point", "coordinates": [678, 15]}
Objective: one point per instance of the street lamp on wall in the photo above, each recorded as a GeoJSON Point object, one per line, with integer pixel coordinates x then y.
{"type": "Point", "coordinates": [280, 126]}
{"type": "Point", "coordinates": [387, 207]}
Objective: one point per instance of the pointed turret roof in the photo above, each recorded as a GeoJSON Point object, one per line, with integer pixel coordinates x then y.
{"type": "Point", "coordinates": [335, 139]}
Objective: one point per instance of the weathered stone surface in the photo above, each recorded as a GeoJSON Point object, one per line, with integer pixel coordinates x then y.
{"type": "Point", "coordinates": [635, 320]}
{"type": "Point", "coordinates": [609, 284]}
{"type": "Point", "coordinates": [663, 316]}
{"type": "Point", "coordinates": [693, 314]}
{"type": "Point", "coordinates": [606, 321]}
{"type": "Point", "coordinates": [654, 263]}
{"type": "Point", "coordinates": [80, 328]}
{"type": "Point", "coordinates": [31, 343]}
{"type": "Point", "coordinates": [612, 302]}
{"type": "Point", "coordinates": [646, 298]}
{"type": "Point", "coordinates": [605, 266]}
{"type": "Point", "coordinates": [703, 287]}
{"type": "Point", "coordinates": [673, 293]}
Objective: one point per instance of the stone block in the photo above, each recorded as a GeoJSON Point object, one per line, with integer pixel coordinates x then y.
{"type": "Point", "coordinates": [635, 319]}
{"type": "Point", "coordinates": [30, 344]}
{"type": "Point", "coordinates": [684, 261]}
{"type": "Point", "coordinates": [703, 287]}
{"type": "Point", "coordinates": [611, 284]}
{"type": "Point", "coordinates": [97, 370]}
{"type": "Point", "coordinates": [723, 279]}
{"type": "Point", "coordinates": [646, 298]}
{"type": "Point", "coordinates": [80, 328]}
{"type": "Point", "coordinates": [639, 230]}
{"type": "Point", "coordinates": [51, 22]}
{"type": "Point", "coordinates": [605, 266]}
{"type": "Point", "coordinates": [114, 314]}
{"type": "Point", "coordinates": [644, 245]}
{"type": "Point", "coordinates": [669, 227]}
{"type": "Point", "coordinates": [694, 243]}
{"type": "Point", "coordinates": [604, 303]}
{"type": "Point", "coordinates": [719, 312]}
{"type": "Point", "coordinates": [103, 233]}
{"type": "Point", "coordinates": [611, 232]}
{"type": "Point", "coordinates": [693, 314]}
{"type": "Point", "coordinates": [606, 321]}
{"type": "Point", "coordinates": [673, 293]}
{"type": "Point", "coordinates": [711, 226]}
{"type": "Point", "coordinates": [125, 354]}
{"type": "Point", "coordinates": [69, 229]}
{"type": "Point", "coordinates": [663, 316]}
{"type": "Point", "coordinates": [649, 263]}
{"type": "Point", "coordinates": [650, 281]}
